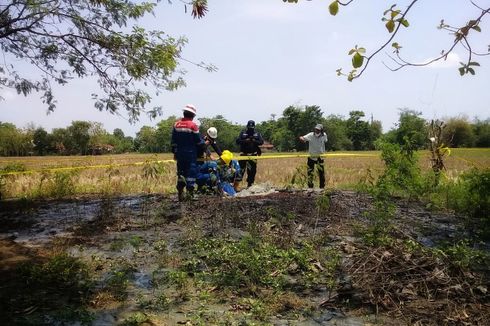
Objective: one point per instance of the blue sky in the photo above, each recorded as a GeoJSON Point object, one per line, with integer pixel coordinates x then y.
{"type": "Point", "coordinates": [271, 54]}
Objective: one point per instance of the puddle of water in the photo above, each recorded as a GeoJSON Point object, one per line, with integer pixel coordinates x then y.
{"type": "Point", "coordinates": [55, 218]}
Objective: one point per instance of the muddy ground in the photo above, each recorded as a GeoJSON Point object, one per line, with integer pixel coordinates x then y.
{"type": "Point", "coordinates": [148, 242]}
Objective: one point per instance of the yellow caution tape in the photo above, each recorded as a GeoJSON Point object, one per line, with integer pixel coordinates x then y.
{"type": "Point", "coordinates": [86, 167]}
{"type": "Point", "coordinates": [82, 167]}
{"type": "Point", "coordinates": [469, 161]}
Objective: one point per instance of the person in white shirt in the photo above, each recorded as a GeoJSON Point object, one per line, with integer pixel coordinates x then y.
{"type": "Point", "coordinates": [316, 147]}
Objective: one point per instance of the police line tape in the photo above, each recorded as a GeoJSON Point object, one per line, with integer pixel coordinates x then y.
{"type": "Point", "coordinates": [239, 158]}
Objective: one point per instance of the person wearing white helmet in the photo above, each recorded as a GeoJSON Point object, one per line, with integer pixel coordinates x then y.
{"type": "Point", "coordinates": [185, 141]}
{"type": "Point", "coordinates": [208, 140]}
{"type": "Point", "coordinates": [316, 147]}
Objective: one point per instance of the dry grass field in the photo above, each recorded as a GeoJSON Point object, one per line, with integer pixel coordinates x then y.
{"type": "Point", "coordinates": [64, 176]}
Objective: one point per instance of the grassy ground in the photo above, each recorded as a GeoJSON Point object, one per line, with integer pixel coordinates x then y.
{"type": "Point", "coordinates": [137, 173]}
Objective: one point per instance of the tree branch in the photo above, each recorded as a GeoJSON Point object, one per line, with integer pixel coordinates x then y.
{"type": "Point", "coordinates": [368, 59]}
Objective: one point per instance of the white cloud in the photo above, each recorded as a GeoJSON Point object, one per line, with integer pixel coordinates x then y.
{"type": "Point", "coordinates": [452, 61]}
{"type": "Point", "coordinates": [271, 11]}
{"type": "Point", "coordinates": [7, 94]}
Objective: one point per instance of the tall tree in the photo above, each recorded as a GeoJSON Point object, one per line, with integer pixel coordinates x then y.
{"type": "Point", "coordinates": [358, 130]}
{"type": "Point", "coordinates": [413, 127]}
{"type": "Point", "coordinates": [118, 133]}
{"type": "Point", "coordinates": [146, 140]}
{"type": "Point", "coordinates": [66, 39]}
{"type": "Point", "coordinates": [336, 129]}
{"type": "Point", "coordinates": [482, 132]}
{"type": "Point", "coordinates": [163, 134]}
{"type": "Point", "coordinates": [79, 137]}
{"type": "Point", "coordinates": [459, 132]}
{"type": "Point", "coordinates": [299, 121]}
{"type": "Point", "coordinates": [41, 141]}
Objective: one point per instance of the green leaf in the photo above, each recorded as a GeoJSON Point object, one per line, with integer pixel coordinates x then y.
{"type": "Point", "coordinates": [471, 71]}
{"type": "Point", "coordinates": [352, 51]}
{"type": "Point", "coordinates": [395, 45]}
{"type": "Point", "coordinates": [473, 63]}
{"type": "Point", "coordinates": [405, 23]}
{"type": "Point", "coordinates": [395, 13]}
{"type": "Point", "coordinates": [361, 50]}
{"type": "Point", "coordinates": [334, 8]}
{"type": "Point", "coordinates": [390, 26]}
{"type": "Point", "coordinates": [351, 75]}
{"type": "Point", "coordinates": [461, 71]}
{"type": "Point", "coordinates": [357, 60]}
{"type": "Point", "coordinates": [476, 28]}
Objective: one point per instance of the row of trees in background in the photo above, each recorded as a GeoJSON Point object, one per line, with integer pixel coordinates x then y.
{"type": "Point", "coordinates": [355, 132]}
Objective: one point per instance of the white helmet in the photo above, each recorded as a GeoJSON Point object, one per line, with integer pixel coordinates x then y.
{"type": "Point", "coordinates": [212, 132]}
{"type": "Point", "coordinates": [190, 108]}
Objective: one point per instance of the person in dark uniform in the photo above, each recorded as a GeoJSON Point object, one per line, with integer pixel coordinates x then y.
{"type": "Point", "coordinates": [249, 141]}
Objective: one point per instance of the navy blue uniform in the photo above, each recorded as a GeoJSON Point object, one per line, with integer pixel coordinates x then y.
{"type": "Point", "coordinates": [249, 141]}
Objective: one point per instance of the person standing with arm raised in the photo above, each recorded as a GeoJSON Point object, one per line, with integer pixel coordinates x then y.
{"type": "Point", "coordinates": [316, 147]}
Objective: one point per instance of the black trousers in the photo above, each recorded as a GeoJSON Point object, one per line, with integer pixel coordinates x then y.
{"type": "Point", "coordinates": [321, 171]}
{"type": "Point", "coordinates": [249, 166]}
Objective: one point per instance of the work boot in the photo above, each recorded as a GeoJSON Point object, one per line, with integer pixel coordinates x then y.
{"type": "Point", "coordinates": [181, 194]}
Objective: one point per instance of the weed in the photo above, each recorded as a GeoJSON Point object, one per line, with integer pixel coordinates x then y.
{"type": "Point", "coordinates": [110, 186]}
{"type": "Point", "coordinates": [13, 167]}
{"type": "Point", "coordinates": [135, 241]}
{"type": "Point", "coordinates": [117, 244]}
{"type": "Point", "coordinates": [58, 185]}
{"type": "Point", "coordinates": [136, 319]}
{"type": "Point", "coordinates": [380, 217]}
{"type": "Point", "coordinates": [464, 256]}
{"type": "Point", "coordinates": [251, 264]}
{"type": "Point", "coordinates": [153, 170]}
{"type": "Point", "coordinates": [279, 228]}
{"type": "Point", "coordinates": [160, 246]}
{"type": "Point", "coordinates": [59, 288]}
{"type": "Point", "coordinates": [402, 174]}
{"type": "Point", "coordinates": [118, 281]}
{"type": "Point", "coordinates": [182, 284]}
{"type": "Point", "coordinates": [299, 177]}
{"type": "Point", "coordinates": [470, 195]}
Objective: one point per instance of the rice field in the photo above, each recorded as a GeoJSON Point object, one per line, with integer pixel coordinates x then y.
{"type": "Point", "coordinates": [66, 176]}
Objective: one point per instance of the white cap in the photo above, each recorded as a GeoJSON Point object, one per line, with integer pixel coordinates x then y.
{"type": "Point", "coordinates": [212, 132]}
{"type": "Point", "coordinates": [190, 108]}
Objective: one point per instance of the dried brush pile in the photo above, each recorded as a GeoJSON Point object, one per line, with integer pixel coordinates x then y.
{"type": "Point", "coordinates": [418, 285]}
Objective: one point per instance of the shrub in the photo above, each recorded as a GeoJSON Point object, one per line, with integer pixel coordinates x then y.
{"type": "Point", "coordinates": [470, 195]}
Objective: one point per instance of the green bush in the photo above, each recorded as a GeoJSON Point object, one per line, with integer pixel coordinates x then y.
{"type": "Point", "coordinates": [470, 195]}
{"type": "Point", "coordinates": [402, 175]}
{"type": "Point", "coordinates": [60, 184]}
{"type": "Point", "coordinates": [59, 288]}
